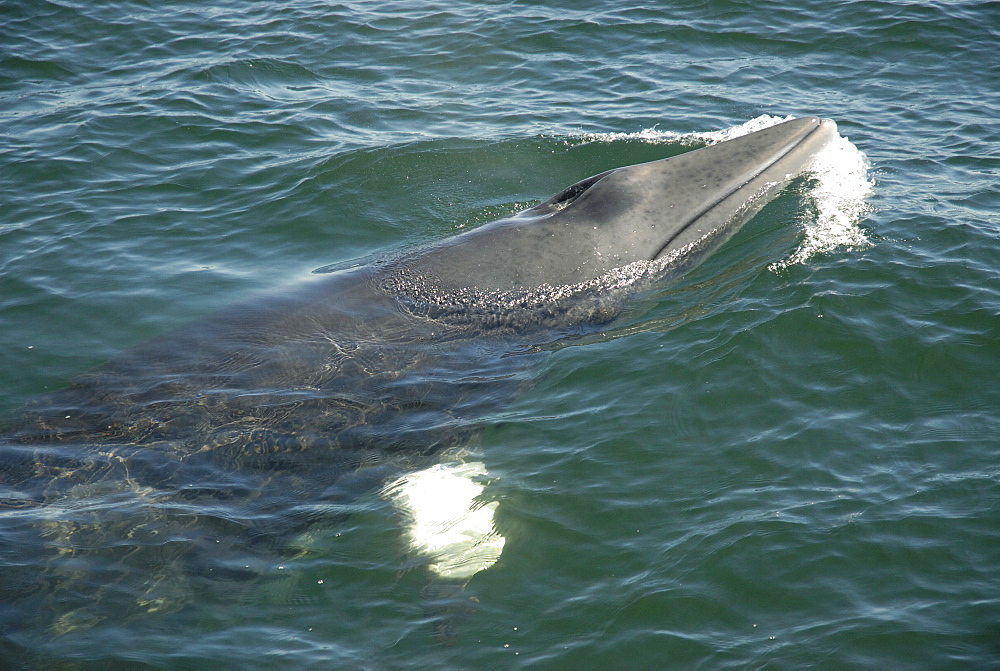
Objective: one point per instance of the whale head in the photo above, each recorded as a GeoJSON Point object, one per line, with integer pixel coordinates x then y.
{"type": "Point", "coordinates": [666, 214]}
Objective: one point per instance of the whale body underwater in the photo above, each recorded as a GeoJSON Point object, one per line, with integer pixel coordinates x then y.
{"type": "Point", "coordinates": [272, 415]}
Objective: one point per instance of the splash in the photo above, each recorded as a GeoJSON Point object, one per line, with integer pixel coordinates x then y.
{"type": "Point", "coordinates": [839, 190]}
{"type": "Point", "coordinates": [839, 193]}
{"type": "Point", "coordinates": [656, 136]}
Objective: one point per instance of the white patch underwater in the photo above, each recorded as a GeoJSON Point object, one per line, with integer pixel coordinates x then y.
{"type": "Point", "coordinates": [840, 191]}
{"type": "Point", "coordinates": [445, 520]}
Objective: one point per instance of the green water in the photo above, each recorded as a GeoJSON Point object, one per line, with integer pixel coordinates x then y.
{"type": "Point", "coordinates": [775, 462]}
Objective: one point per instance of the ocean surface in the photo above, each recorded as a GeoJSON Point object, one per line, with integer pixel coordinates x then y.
{"type": "Point", "coordinates": [788, 458]}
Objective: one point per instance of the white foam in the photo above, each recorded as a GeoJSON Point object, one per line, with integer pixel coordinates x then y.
{"type": "Point", "coordinates": [842, 185]}
{"type": "Point", "coordinates": [445, 521]}
{"type": "Point", "coordinates": [656, 136]}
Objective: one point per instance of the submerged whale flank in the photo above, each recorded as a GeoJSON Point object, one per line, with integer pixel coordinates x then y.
{"type": "Point", "coordinates": [186, 459]}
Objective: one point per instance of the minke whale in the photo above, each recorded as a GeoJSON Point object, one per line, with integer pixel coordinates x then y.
{"type": "Point", "coordinates": [186, 464]}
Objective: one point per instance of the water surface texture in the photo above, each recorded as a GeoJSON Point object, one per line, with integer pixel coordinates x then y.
{"type": "Point", "coordinates": [787, 458]}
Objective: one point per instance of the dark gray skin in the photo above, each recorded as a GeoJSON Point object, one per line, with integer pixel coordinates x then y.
{"type": "Point", "coordinates": [275, 410]}
{"type": "Point", "coordinates": [633, 214]}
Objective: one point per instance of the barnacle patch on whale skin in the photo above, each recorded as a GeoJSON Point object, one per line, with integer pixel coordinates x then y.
{"type": "Point", "coordinates": [445, 520]}
{"type": "Point", "coordinates": [597, 300]}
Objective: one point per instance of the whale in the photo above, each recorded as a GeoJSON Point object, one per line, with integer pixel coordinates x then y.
{"type": "Point", "coordinates": [189, 460]}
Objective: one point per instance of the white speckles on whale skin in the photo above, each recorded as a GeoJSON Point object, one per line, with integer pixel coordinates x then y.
{"type": "Point", "coordinates": [595, 301]}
